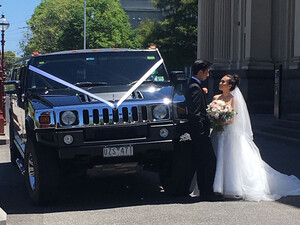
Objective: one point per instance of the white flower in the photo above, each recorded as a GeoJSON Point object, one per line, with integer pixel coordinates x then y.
{"type": "Point", "coordinates": [217, 116]}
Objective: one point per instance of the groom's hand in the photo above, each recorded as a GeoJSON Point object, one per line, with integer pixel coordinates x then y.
{"type": "Point", "coordinates": [205, 90]}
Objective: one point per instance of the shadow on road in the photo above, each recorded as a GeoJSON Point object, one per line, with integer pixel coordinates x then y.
{"type": "Point", "coordinates": [124, 191]}
{"type": "Point", "coordinates": [85, 194]}
{"type": "Point", "coordinates": [291, 200]}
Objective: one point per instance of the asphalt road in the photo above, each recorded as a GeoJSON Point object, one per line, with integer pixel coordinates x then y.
{"type": "Point", "coordinates": [139, 199]}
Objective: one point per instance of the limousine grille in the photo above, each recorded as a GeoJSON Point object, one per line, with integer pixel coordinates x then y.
{"type": "Point", "coordinates": [110, 116]}
{"type": "Point", "coordinates": [127, 114]}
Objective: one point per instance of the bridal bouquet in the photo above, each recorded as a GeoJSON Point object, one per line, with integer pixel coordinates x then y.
{"type": "Point", "coordinates": [219, 114]}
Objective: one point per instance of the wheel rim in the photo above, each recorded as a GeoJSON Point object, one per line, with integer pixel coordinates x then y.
{"type": "Point", "coordinates": [31, 173]}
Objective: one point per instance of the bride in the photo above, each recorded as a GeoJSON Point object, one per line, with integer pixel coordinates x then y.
{"type": "Point", "coordinates": [240, 171]}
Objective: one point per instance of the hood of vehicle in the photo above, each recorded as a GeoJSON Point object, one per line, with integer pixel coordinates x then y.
{"type": "Point", "coordinates": [67, 97]}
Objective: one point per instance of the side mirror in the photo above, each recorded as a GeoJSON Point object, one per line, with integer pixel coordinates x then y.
{"type": "Point", "coordinates": [11, 87]}
{"type": "Point", "coordinates": [178, 77]}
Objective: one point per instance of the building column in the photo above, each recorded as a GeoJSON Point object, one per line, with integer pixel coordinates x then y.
{"type": "Point", "coordinates": [205, 29]}
{"type": "Point", "coordinates": [222, 33]}
{"type": "Point", "coordinates": [295, 14]}
{"type": "Point", "coordinates": [257, 35]}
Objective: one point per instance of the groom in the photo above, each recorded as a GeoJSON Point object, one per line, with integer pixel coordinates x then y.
{"type": "Point", "coordinates": [204, 159]}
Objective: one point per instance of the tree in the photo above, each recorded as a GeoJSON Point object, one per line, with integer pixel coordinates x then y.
{"type": "Point", "coordinates": [57, 25]}
{"type": "Point", "coordinates": [176, 36]}
{"type": "Point", "coordinates": [10, 59]}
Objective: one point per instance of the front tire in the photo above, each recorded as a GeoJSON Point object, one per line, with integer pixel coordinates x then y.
{"type": "Point", "coordinates": [42, 174]}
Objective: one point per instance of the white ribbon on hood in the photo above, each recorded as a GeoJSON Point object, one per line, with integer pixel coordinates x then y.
{"type": "Point", "coordinates": [139, 82]}
{"type": "Point", "coordinates": [58, 80]}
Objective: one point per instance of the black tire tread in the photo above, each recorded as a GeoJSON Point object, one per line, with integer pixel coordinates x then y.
{"type": "Point", "coordinates": [47, 173]}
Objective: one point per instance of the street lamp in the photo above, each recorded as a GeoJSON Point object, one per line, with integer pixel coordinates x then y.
{"type": "Point", "coordinates": [4, 25]}
{"type": "Point", "coordinates": [84, 26]}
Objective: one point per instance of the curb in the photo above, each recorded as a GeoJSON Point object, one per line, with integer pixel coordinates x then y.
{"type": "Point", "coordinates": [4, 140]}
{"type": "Point", "coordinates": [276, 137]}
{"type": "Point", "coordinates": [3, 217]}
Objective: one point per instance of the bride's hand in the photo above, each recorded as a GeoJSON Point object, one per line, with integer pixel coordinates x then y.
{"type": "Point", "coordinates": [220, 122]}
{"type": "Point", "coordinates": [225, 122]}
{"type": "Point", "coordinates": [229, 121]}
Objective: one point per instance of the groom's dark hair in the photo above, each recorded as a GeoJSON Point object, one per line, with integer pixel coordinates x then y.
{"type": "Point", "coordinates": [200, 64]}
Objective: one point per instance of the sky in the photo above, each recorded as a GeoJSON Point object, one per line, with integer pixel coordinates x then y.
{"type": "Point", "coordinates": [17, 12]}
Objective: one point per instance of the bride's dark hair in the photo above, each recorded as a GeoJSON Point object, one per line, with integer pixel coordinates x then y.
{"type": "Point", "coordinates": [234, 80]}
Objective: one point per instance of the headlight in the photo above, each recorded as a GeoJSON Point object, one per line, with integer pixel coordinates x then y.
{"type": "Point", "coordinates": [68, 117]}
{"type": "Point", "coordinates": [160, 112]}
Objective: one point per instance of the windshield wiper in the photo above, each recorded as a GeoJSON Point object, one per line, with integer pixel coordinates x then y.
{"type": "Point", "coordinates": [146, 81]}
{"type": "Point", "coordinates": [37, 89]}
{"type": "Point", "coordinates": [90, 84]}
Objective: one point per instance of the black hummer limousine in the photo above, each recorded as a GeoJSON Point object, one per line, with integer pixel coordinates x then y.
{"type": "Point", "coordinates": [112, 111]}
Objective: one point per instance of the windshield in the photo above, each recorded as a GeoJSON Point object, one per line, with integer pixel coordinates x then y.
{"type": "Point", "coordinates": [97, 68]}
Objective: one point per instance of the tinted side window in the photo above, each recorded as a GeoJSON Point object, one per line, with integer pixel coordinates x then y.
{"type": "Point", "coordinates": [13, 74]}
{"type": "Point", "coordinates": [18, 74]}
{"type": "Point", "coordinates": [22, 76]}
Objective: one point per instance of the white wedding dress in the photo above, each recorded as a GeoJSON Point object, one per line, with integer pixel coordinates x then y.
{"type": "Point", "coordinates": [240, 170]}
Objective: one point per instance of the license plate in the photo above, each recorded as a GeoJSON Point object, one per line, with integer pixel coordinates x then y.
{"type": "Point", "coordinates": [117, 151]}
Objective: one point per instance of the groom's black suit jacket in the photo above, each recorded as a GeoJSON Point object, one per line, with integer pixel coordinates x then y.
{"type": "Point", "coordinates": [203, 159]}
{"type": "Point", "coordinates": [196, 105]}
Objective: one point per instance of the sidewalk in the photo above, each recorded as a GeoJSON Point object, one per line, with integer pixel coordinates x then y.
{"type": "Point", "coordinates": [266, 126]}
{"type": "Point", "coordinates": [4, 139]}
{"type": "Point", "coordinates": [259, 121]}
{"type": "Point", "coordinates": [3, 217]}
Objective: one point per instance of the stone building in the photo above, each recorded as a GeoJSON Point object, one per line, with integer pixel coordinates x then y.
{"type": "Point", "coordinates": [139, 10]}
{"type": "Point", "coordinates": [260, 41]}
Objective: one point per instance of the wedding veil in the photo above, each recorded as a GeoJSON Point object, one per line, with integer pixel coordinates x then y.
{"type": "Point", "coordinates": [242, 122]}
{"type": "Point", "coordinates": [264, 182]}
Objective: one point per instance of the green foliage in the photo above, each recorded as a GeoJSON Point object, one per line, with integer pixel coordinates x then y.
{"type": "Point", "coordinates": [176, 36]}
{"type": "Point", "coordinates": [57, 25]}
{"type": "Point", "coordinates": [10, 59]}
